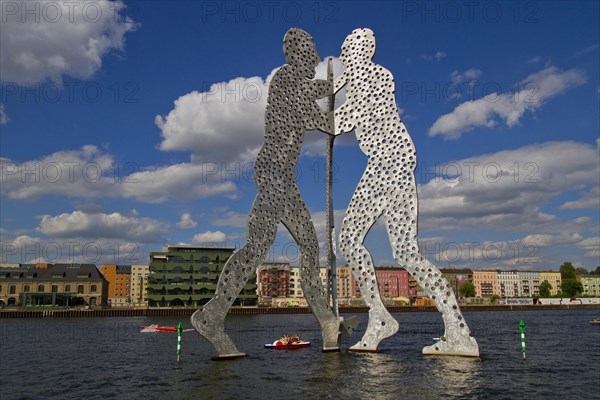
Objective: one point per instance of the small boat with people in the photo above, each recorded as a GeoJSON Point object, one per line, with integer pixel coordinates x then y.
{"type": "Point", "coordinates": [158, 328]}
{"type": "Point", "coordinates": [595, 321]}
{"type": "Point", "coordinates": [287, 343]}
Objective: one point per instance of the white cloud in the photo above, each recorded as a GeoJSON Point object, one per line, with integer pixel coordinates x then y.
{"type": "Point", "coordinates": [186, 221]}
{"type": "Point", "coordinates": [183, 181]}
{"type": "Point", "coordinates": [225, 217]}
{"type": "Point", "coordinates": [225, 123]}
{"type": "Point", "coordinates": [85, 172]}
{"type": "Point", "coordinates": [222, 132]}
{"type": "Point", "coordinates": [100, 225]}
{"type": "Point", "coordinates": [546, 240]}
{"type": "Point", "coordinates": [20, 248]}
{"type": "Point", "coordinates": [209, 237]}
{"type": "Point", "coordinates": [91, 173]}
{"type": "Point", "coordinates": [534, 60]}
{"type": "Point", "coordinates": [588, 199]}
{"type": "Point", "coordinates": [3, 116]}
{"type": "Point", "coordinates": [486, 112]}
{"type": "Point", "coordinates": [68, 38]}
{"type": "Point", "coordinates": [29, 249]}
{"type": "Point", "coordinates": [591, 246]}
{"type": "Point", "coordinates": [84, 237]}
{"type": "Point", "coordinates": [508, 189]}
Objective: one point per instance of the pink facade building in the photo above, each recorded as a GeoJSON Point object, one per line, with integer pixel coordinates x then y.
{"type": "Point", "coordinates": [392, 281]}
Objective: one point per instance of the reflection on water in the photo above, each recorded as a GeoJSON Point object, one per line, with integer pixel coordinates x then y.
{"type": "Point", "coordinates": [378, 375]}
{"type": "Point", "coordinates": [455, 375]}
{"type": "Point", "coordinates": [389, 375]}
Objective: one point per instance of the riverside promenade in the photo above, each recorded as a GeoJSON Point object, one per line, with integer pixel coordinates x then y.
{"type": "Point", "coordinates": [185, 311]}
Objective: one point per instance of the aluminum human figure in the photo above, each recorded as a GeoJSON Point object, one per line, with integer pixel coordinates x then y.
{"type": "Point", "coordinates": [387, 190]}
{"type": "Point", "coordinates": [291, 110]}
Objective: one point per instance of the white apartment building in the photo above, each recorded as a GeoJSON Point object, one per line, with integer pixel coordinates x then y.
{"type": "Point", "coordinates": [507, 283]}
{"type": "Point", "coordinates": [139, 283]}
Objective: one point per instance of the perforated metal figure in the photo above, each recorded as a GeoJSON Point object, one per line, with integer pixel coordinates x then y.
{"type": "Point", "coordinates": [387, 189]}
{"type": "Point", "coordinates": [291, 110]}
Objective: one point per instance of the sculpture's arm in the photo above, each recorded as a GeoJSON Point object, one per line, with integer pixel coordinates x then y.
{"type": "Point", "coordinates": [315, 117]}
{"type": "Point", "coordinates": [318, 119]}
{"type": "Point", "coordinates": [343, 122]}
{"type": "Point", "coordinates": [322, 88]}
{"type": "Point", "coordinates": [342, 118]}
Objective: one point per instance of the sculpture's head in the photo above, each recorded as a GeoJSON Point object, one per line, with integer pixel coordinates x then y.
{"type": "Point", "coordinates": [300, 52]}
{"type": "Point", "coordinates": [359, 46]}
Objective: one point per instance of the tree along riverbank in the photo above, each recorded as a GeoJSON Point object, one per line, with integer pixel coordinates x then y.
{"type": "Point", "coordinates": [159, 312]}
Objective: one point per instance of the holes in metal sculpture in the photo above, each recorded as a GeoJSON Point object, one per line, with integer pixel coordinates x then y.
{"type": "Point", "coordinates": [387, 188]}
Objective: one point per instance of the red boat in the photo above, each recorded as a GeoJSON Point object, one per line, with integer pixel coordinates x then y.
{"type": "Point", "coordinates": [279, 345]}
{"type": "Point", "coordinates": [158, 328]}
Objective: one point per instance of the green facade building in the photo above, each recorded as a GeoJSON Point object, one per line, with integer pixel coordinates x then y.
{"type": "Point", "coordinates": [182, 275]}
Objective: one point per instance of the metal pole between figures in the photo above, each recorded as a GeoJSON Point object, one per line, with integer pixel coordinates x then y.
{"type": "Point", "coordinates": [331, 261]}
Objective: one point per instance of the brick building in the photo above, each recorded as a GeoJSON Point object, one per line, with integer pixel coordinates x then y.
{"type": "Point", "coordinates": [272, 280]}
{"type": "Point", "coordinates": [119, 284]}
{"type": "Point", "coordinates": [392, 283]}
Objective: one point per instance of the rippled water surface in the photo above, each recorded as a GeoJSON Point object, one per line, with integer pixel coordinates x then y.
{"type": "Point", "coordinates": [108, 358]}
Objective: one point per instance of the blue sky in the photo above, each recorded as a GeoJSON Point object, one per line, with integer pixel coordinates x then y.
{"type": "Point", "coordinates": [125, 126]}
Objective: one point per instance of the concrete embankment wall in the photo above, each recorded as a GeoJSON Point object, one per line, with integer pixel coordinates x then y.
{"type": "Point", "coordinates": [165, 312]}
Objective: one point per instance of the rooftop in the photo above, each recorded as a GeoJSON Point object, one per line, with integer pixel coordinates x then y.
{"type": "Point", "coordinates": [66, 272]}
{"type": "Point", "coordinates": [187, 247]}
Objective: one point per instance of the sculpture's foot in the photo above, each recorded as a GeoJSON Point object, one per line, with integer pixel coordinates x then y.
{"type": "Point", "coordinates": [461, 346]}
{"type": "Point", "coordinates": [381, 325]}
{"type": "Point", "coordinates": [212, 328]}
{"type": "Point", "coordinates": [331, 334]}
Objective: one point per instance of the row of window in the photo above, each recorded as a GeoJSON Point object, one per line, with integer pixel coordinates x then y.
{"type": "Point", "coordinates": [203, 270]}
{"type": "Point", "coordinates": [174, 259]}
{"type": "Point", "coordinates": [12, 289]}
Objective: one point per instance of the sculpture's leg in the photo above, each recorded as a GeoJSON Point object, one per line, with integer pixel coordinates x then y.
{"type": "Point", "coordinates": [456, 340]}
{"type": "Point", "coordinates": [209, 321]}
{"type": "Point", "coordinates": [297, 220]}
{"type": "Point", "coordinates": [356, 225]}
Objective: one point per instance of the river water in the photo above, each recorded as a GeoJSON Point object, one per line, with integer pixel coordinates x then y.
{"type": "Point", "coordinates": [108, 358]}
